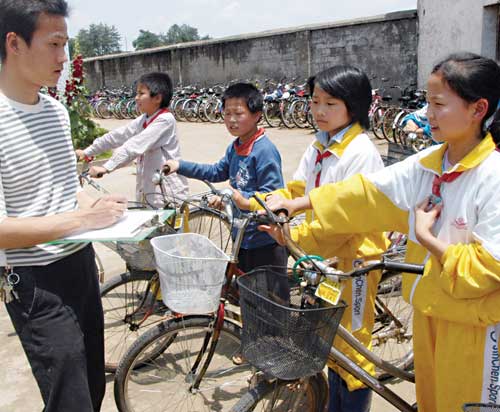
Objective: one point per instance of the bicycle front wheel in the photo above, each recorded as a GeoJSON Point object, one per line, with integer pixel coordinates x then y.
{"type": "Point", "coordinates": [212, 224]}
{"type": "Point", "coordinates": [283, 396]}
{"type": "Point", "coordinates": [166, 354]}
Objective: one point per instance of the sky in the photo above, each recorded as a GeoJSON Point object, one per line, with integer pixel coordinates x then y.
{"type": "Point", "coordinates": [220, 18]}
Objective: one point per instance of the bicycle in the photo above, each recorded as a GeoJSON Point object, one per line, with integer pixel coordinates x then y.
{"type": "Point", "coordinates": [130, 300]}
{"type": "Point", "coordinates": [188, 358]}
{"type": "Point", "coordinates": [286, 371]}
{"type": "Point", "coordinates": [181, 346]}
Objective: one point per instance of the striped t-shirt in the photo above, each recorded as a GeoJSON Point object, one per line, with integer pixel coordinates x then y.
{"type": "Point", "coordinates": [37, 172]}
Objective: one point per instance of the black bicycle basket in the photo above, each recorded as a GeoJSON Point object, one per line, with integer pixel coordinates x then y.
{"type": "Point", "coordinates": [480, 407]}
{"type": "Point", "coordinates": [279, 338]}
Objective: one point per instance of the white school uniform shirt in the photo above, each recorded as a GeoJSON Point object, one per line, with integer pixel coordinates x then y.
{"type": "Point", "coordinates": [360, 156]}
{"type": "Point", "coordinates": [152, 147]}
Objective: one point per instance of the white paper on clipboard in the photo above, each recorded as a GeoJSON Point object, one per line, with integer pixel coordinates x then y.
{"type": "Point", "coordinates": [126, 227]}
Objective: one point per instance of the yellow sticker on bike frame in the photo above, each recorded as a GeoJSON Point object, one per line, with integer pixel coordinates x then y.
{"type": "Point", "coordinates": [329, 291]}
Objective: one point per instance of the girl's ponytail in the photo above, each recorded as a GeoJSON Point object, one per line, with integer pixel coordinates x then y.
{"type": "Point", "coordinates": [494, 128]}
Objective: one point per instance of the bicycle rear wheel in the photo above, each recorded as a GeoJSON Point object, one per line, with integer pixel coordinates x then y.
{"type": "Point", "coordinates": [126, 299]}
{"type": "Point", "coordinates": [392, 333]}
{"type": "Point", "coordinates": [164, 378]}
{"type": "Point", "coordinates": [281, 396]}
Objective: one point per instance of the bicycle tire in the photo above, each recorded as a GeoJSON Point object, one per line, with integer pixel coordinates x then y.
{"type": "Point", "coordinates": [299, 113]}
{"type": "Point", "coordinates": [286, 114]}
{"type": "Point", "coordinates": [190, 110]}
{"type": "Point", "coordinates": [376, 122]}
{"type": "Point", "coordinates": [272, 114]}
{"type": "Point", "coordinates": [121, 297]}
{"type": "Point", "coordinates": [212, 112]}
{"type": "Point", "coordinates": [166, 378]}
{"type": "Point", "coordinates": [100, 268]}
{"type": "Point", "coordinates": [387, 120]}
{"type": "Point", "coordinates": [257, 398]}
{"type": "Point", "coordinates": [392, 335]}
{"type": "Point", "coordinates": [212, 224]}
{"type": "Point", "coordinates": [200, 111]}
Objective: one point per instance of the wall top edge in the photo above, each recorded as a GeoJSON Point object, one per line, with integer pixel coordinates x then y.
{"type": "Point", "coordinates": [399, 15]}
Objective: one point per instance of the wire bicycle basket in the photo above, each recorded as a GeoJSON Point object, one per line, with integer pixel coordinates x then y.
{"type": "Point", "coordinates": [279, 337]}
{"type": "Point", "coordinates": [192, 271]}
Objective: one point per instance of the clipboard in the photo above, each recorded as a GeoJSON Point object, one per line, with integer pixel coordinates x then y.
{"type": "Point", "coordinates": [134, 227]}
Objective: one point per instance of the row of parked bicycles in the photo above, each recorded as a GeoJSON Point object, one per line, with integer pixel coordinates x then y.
{"type": "Point", "coordinates": [286, 104]}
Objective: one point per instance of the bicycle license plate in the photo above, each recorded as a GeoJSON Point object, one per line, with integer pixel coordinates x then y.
{"type": "Point", "coordinates": [329, 291]}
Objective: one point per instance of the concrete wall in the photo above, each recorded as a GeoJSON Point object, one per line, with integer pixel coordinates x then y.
{"type": "Point", "coordinates": [384, 46]}
{"type": "Point", "coordinates": [448, 26]}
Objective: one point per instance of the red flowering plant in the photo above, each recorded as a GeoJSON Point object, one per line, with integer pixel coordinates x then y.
{"type": "Point", "coordinates": [83, 129]}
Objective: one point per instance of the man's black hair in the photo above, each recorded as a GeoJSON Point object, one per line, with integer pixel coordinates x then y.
{"type": "Point", "coordinates": [247, 92]}
{"type": "Point", "coordinates": [349, 84]}
{"type": "Point", "coordinates": [21, 17]}
{"type": "Point", "coordinates": [158, 83]}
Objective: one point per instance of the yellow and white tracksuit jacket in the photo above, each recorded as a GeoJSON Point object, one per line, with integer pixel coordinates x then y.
{"type": "Point", "coordinates": [355, 153]}
{"type": "Point", "coordinates": [457, 301]}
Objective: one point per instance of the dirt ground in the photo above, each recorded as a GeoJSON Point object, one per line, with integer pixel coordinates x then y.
{"type": "Point", "coordinates": [201, 143]}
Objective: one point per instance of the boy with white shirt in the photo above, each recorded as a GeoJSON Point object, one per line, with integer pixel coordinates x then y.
{"type": "Point", "coordinates": [151, 139]}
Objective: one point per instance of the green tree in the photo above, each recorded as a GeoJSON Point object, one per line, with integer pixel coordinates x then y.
{"type": "Point", "coordinates": [182, 34]}
{"type": "Point", "coordinates": [98, 39]}
{"type": "Point", "coordinates": [147, 40]}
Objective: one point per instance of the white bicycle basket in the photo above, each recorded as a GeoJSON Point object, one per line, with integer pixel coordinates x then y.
{"type": "Point", "coordinates": [191, 272]}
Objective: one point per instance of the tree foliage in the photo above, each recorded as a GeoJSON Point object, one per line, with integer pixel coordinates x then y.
{"type": "Point", "coordinates": [147, 40]}
{"type": "Point", "coordinates": [98, 39]}
{"type": "Point", "coordinates": [175, 34]}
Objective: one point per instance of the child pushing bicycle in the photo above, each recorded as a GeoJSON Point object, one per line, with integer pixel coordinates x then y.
{"type": "Point", "coordinates": [151, 140]}
{"type": "Point", "coordinates": [251, 164]}
{"type": "Point", "coordinates": [446, 199]}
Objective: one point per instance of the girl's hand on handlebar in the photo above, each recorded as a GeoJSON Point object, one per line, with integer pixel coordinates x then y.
{"type": "Point", "coordinates": [275, 231]}
{"type": "Point", "coordinates": [97, 171]}
{"type": "Point", "coordinates": [292, 206]}
{"type": "Point", "coordinates": [170, 166]}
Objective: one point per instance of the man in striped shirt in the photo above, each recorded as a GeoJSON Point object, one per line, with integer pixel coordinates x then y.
{"type": "Point", "coordinates": [55, 305]}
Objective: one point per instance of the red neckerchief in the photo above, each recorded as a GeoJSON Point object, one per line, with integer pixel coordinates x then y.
{"type": "Point", "coordinates": [245, 149]}
{"type": "Point", "coordinates": [147, 122]}
{"type": "Point", "coordinates": [317, 165]}
{"type": "Point", "coordinates": [445, 178]}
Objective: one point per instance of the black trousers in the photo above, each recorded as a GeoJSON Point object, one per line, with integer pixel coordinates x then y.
{"type": "Point", "coordinates": [59, 320]}
{"type": "Point", "coordinates": [270, 255]}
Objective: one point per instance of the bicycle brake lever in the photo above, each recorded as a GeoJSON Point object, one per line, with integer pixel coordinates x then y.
{"type": "Point", "coordinates": [278, 217]}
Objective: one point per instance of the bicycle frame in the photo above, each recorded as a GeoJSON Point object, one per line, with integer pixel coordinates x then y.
{"type": "Point", "coordinates": [348, 365]}
{"type": "Point", "coordinates": [228, 290]}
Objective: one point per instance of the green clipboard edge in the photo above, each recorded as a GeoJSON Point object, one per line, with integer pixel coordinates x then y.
{"type": "Point", "coordinates": [141, 235]}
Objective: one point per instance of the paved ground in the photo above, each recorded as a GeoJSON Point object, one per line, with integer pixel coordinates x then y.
{"type": "Point", "coordinates": [201, 143]}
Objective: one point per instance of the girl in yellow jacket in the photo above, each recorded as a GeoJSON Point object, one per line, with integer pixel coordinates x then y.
{"type": "Point", "coordinates": [341, 97]}
{"type": "Point", "coordinates": [447, 199]}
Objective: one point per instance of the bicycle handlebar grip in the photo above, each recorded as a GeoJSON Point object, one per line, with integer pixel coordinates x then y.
{"type": "Point", "coordinates": [165, 170]}
{"type": "Point", "coordinates": [404, 267]}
